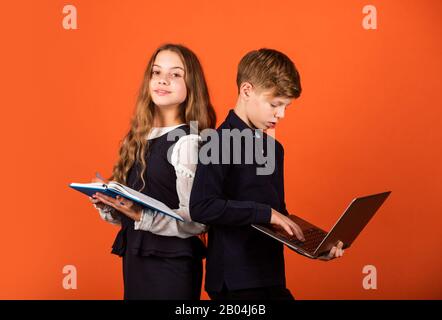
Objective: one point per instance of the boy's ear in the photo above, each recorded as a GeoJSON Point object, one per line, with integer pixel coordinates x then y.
{"type": "Point", "coordinates": [245, 90]}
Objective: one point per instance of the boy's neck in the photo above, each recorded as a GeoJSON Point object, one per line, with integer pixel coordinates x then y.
{"type": "Point", "coordinates": [240, 111]}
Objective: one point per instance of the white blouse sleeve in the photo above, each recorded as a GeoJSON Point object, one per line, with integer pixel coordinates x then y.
{"type": "Point", "coordinates": [184, 159]}
{"type": "Point", "coordinates": [108, 214]}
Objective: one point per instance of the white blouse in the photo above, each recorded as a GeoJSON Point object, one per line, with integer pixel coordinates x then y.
{"type": "Point", "coordinates": [184, 159]}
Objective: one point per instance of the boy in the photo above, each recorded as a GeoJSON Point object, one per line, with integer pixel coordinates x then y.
{"type": "Point", "coordinates": [229, 196]}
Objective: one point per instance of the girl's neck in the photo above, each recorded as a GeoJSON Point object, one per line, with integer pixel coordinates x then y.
{"type": "Point", "coordinates": [166, 117]}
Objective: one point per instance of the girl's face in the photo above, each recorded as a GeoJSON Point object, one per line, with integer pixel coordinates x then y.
{"type": "Point", "coordinates": [167, 86]}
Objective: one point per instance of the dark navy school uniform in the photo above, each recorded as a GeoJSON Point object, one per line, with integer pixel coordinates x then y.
{"type": "Point", "coordinates": [229, 198]}
{"type": "Point", "coordinates": [155, 266]}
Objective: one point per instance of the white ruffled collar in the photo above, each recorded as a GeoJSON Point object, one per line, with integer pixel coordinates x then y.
{"type": "Point", "coordinates": [156, 132]}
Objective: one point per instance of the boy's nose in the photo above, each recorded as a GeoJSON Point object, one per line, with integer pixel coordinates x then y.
{"type": "Point", "coordinates": [280, 112]}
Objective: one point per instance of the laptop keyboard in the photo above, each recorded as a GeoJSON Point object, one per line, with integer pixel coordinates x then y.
{"type": "Point", "coordinates": [313, 238]}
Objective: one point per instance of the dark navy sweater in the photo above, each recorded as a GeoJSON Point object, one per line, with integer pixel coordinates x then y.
{"type": "Point", "coordinates": [229, 198]}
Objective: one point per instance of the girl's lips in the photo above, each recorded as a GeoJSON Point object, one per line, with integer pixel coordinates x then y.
{"type": "Point", "coordinates": [161, 92]}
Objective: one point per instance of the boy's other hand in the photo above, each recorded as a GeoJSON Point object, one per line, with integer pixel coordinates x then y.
{"type": "Point", "coordinates": [335, 252]}
{"type": "Point", "coordinates": [287, 224]}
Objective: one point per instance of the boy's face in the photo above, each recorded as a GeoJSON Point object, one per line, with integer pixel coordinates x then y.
{"type": "Point", "coordinates": [263, 109]}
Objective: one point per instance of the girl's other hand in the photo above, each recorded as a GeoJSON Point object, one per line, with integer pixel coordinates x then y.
{"type": "Point", "coordinates": [98, 204]}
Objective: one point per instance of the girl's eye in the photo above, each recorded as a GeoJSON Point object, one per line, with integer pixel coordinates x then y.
{"type": "Point", "coordinates": [155, 72]}
{"type": "Point", "coordinates": [176, 75]}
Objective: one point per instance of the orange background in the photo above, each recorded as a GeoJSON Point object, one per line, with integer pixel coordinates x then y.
{"type": "Point", "coordinates": [368, 120]}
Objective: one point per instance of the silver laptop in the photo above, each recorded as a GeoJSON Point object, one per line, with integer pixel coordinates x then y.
{"type": "Point", "coordinates": [319, 242]}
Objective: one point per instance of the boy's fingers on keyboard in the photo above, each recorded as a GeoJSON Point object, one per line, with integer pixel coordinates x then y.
{"type": "Point", "coordinates": [298, 232]}
{"type": "Point", "coordinates": [296, 229]}
{"type": "Point", "coordinates": [287, 228]}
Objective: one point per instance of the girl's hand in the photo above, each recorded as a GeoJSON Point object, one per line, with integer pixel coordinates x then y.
{"type": "Point", "coordinates": [335, 252]}
{"type": "Point", "coordinates": [97, 203]}
{"type": "Point", "coordinates": [123, 205]}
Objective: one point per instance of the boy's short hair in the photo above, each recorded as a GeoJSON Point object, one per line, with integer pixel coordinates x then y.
{"type": "Point", "coordinates": [270, 69]}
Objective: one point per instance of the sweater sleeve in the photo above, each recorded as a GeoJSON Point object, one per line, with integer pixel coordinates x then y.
{"type": "Point", "coordinates": [184, 159]}
{"type": "Point", "coordinates": [209, 205]}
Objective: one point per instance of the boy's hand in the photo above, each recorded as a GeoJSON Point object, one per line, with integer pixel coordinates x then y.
{"type": "Point", "coordinates": [335, 252]}
{"type": "Point", "coordinates": [123, 205]}
{"type": "Point", "coordinates": [287, 224]}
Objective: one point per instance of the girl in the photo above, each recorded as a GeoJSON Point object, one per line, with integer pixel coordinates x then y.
{"type": "Point", "coordinates": [162, 257]}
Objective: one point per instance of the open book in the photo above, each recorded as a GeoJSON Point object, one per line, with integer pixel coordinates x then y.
{"type": "Point", "coordinates": [114, 189]}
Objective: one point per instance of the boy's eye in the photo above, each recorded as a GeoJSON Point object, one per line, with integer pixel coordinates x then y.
{"type": "Point", "coordinates": [274, 106]}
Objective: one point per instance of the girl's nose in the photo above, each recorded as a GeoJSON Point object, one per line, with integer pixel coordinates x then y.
{"type": "Point", "coordinates": [163, 79]}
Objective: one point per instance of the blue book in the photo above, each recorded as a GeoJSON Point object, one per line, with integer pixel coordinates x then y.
{"type": "Point", "coordinates": [114, 189]}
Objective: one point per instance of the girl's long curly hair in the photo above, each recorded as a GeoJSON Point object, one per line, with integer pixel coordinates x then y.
{"type": "Point", "coordinates": [196, 107]}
